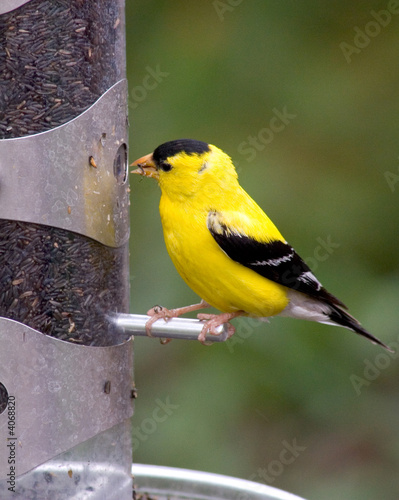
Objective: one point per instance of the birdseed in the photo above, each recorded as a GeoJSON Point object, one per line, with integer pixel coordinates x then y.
{"type": "Point", "coordinates": [61, 283]}
{"type": "Point", "coordinates": [57, 57]}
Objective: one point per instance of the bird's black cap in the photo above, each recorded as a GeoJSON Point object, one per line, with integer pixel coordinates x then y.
{"type": "Point", "coordinates": [171, 148]}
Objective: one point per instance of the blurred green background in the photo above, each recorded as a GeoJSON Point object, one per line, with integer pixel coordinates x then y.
{"type": "Point", "coordinates": [329, 179]}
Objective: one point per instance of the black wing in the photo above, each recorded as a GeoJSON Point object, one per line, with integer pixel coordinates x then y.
{"type": "Point", "coordinates": [275, 260]}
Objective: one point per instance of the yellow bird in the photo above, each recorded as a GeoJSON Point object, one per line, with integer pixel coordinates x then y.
{"type": "Point", "coordinates": [226, 248]}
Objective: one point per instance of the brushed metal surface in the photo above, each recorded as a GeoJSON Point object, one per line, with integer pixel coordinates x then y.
{"type": "Point", "coordinates": [9, 5]}
{"type": "Point", "coordinates": [98, 469]}
{"type": "Point", "coordinates": [74, 176]}
{"type": "Point", "coordinates": [62, 394]}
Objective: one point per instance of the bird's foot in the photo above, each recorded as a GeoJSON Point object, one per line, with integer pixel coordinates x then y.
{"type": "Point", "coordinates": [160, 312]}
{"type": "Point", "coordinates": [212, 321]}
{"type": "Point", "coordinates": [156, 313]}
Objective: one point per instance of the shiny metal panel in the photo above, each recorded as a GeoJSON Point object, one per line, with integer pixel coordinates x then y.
{"type": "Point", "coordinates": [61, 394]}
{"type": "Point", "coordinates": [74, 176]}
{"type": "Point", "coordinates": [98, 469]}
{"type": "Point", "coordinates": [9, 5]}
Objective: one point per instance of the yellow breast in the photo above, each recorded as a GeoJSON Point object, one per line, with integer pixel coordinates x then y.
{"type": "Point", "coordinates": [223, 283]}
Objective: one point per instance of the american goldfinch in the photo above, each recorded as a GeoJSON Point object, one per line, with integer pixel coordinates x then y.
{"type": "Point", "coordinates": [226, 248]}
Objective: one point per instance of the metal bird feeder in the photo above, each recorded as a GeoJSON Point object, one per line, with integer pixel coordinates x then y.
{"type": "Point", "coordinates": [65, 373]}
{"type": "Point", "coordinates": [66, 351]}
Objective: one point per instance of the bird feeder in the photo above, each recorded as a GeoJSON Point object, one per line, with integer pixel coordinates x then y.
{"type": "Point", "coordinates": [65, 373]}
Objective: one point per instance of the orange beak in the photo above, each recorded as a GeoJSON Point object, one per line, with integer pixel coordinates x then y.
{"type": "Point", "coordinates": [146, 167]}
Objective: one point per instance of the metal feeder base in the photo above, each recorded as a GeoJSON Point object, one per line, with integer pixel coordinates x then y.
{"type": "Point", "coordinates": [168, 483]}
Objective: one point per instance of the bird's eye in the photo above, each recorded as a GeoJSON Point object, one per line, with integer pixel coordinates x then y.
{"type": "Point", "coordinates": [166, 167]}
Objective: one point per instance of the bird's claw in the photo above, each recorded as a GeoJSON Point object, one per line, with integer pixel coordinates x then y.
{"type": "Point", "coordinates": [156, 310]}
{"type": "Point", "coordinates": [212, 322]}
{"type": "Point", "coordinates": [165, 341]}
{"type": "Point", "coordinates": [156, 313]}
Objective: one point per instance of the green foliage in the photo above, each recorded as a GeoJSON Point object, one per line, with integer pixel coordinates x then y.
{"type": "Point", "coordinates": [333, 171]}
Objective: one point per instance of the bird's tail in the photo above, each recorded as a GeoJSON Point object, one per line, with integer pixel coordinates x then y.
{"type": "Point", "coordinates": [340, 317]}
{"type": "Point", "coordinates": [329, 311]}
